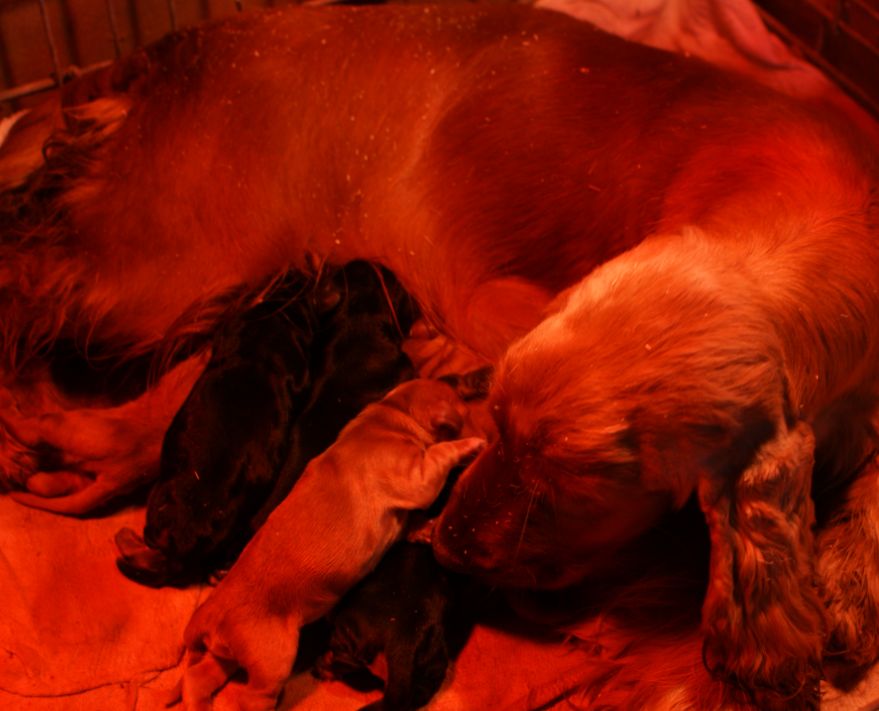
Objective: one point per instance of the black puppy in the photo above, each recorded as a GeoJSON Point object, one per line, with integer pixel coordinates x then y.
{"type": "Point", "coordinates": [404, 609]}
{"type": "Point", "coordinates": [283, 380]}
{"type": "Point", "coordinates": [224, 448]}
{"type": "Point", "coordinates": [360, 346]}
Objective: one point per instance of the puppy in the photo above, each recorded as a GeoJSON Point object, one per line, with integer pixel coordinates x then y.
{"type": "Point", "coordinates": [360, 358]}
{"type": "Point", "coordinates": [224, 449]}
{"type": "Point", "coordinates": [402, 610]}
{"type": "Point", "coordinates": [283, 380]}
{"type": "Point", "coordinates": [348, 508]}
{"type": "Point", "coordinates": [407, 608]}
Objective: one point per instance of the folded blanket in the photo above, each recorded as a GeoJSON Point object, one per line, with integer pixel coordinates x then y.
{"type": "Point", "coordinates": [72, 624]}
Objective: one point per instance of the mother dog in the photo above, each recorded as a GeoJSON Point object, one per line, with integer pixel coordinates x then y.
{"type": "Point", "coordinates": [493, 158]}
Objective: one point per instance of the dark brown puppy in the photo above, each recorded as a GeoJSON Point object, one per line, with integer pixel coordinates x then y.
{"type": "Point", "coordinates": [402, 610]}
{"type": "Point", "coordinates": [222, 454]}
{"type": "Point", "coordinates": [359, 360]}
{"type": "Point", "coordinates": [283, 380]}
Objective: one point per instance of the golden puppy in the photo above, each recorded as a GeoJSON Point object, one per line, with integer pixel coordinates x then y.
{"type": "Point", "coordinates": [348, 508]}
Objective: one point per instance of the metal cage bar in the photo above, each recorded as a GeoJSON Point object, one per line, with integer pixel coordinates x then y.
{"type": "Point", "coordinates": [172, 15]}
{"type": "Point", "coordinates": [850, 32]}
{"type": "Point", "coordinates": [50, 40]}
{"type": "Point", "coordinates": [15, 93]}
{"type": "Point", "coordinates": [114, 27]}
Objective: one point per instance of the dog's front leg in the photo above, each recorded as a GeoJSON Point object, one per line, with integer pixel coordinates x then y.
{"type": "Point", "coordinates": [100, 453]}
{"type": "Point", "coordinates": [762, 616]}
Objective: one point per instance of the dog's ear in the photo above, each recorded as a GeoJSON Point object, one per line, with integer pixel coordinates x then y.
{"type": "Point", "coordinates": [762, 617]}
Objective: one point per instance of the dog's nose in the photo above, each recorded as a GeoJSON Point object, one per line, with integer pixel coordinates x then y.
{"type": "Point", "coordinates": [459, 550]}
{"type": "Point", "coordinates": [465, 534]}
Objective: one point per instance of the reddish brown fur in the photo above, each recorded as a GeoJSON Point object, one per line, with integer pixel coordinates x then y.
{"type": "Point", "coordinates": [492, 158]}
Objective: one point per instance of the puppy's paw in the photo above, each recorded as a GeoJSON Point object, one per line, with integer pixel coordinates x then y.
{"type": "Point", "coordinates": [450, 454]}
{"type": "Point", "coordinates": [323, 667]}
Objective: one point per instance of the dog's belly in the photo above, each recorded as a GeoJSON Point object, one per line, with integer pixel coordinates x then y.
{"type": "Point", "coordinates": [460, 147]}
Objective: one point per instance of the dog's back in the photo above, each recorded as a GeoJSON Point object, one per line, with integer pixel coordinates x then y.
{"type": "Point", "coordinates": [434, 179]}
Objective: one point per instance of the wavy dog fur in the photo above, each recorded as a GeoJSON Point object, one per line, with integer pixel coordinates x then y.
{"type": "Point", "coordinates": [492, 158]}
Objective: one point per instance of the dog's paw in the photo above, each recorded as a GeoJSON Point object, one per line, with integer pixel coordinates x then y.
{"type": "Point", "coordinates": [72, 461]}
{"type": "Point", "coordinates": [77, 493]}
{"type": "Point", "coordinates": [851, 597]}
{"type": "Point", "coordinates": [17, 461]}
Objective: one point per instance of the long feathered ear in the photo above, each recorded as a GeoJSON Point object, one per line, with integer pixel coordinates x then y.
{"type": "Point", "coordinates": [762, 617]}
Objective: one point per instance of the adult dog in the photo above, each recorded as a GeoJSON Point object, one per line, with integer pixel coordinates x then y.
{"type": "Point", "coordinates": [492, 158]}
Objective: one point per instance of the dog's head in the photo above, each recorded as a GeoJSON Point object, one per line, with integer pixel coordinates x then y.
{"type": "Point", "coordinates": [607, 412]}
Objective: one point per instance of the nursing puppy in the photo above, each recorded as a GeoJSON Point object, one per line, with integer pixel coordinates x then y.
{"type": "Point", "coordinates": [167, 183]}
{"type": "Point", "coordinates": [359, 359]}
{"type": "Point", "coordinates": [402, 610]}
{"type": "Point", "coordinates": [348, 508]}
{"type": "Point", "coordinates": [225, 448]}
{"type": "Point", "coordinates": [283, 380]}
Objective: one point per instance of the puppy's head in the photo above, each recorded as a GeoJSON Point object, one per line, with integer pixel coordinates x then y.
{"type": "Point", "coordinates": [369, 290]}
{"type": "Point", "coordinates": [606, 414]}
{"type": "Point", "coordinates": [433, 405]}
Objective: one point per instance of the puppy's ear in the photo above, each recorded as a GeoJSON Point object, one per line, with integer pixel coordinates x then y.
{"type": "Point", "coordinates": [327, 293]}
{"type": "Point", "coordinates": [763, 619]}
